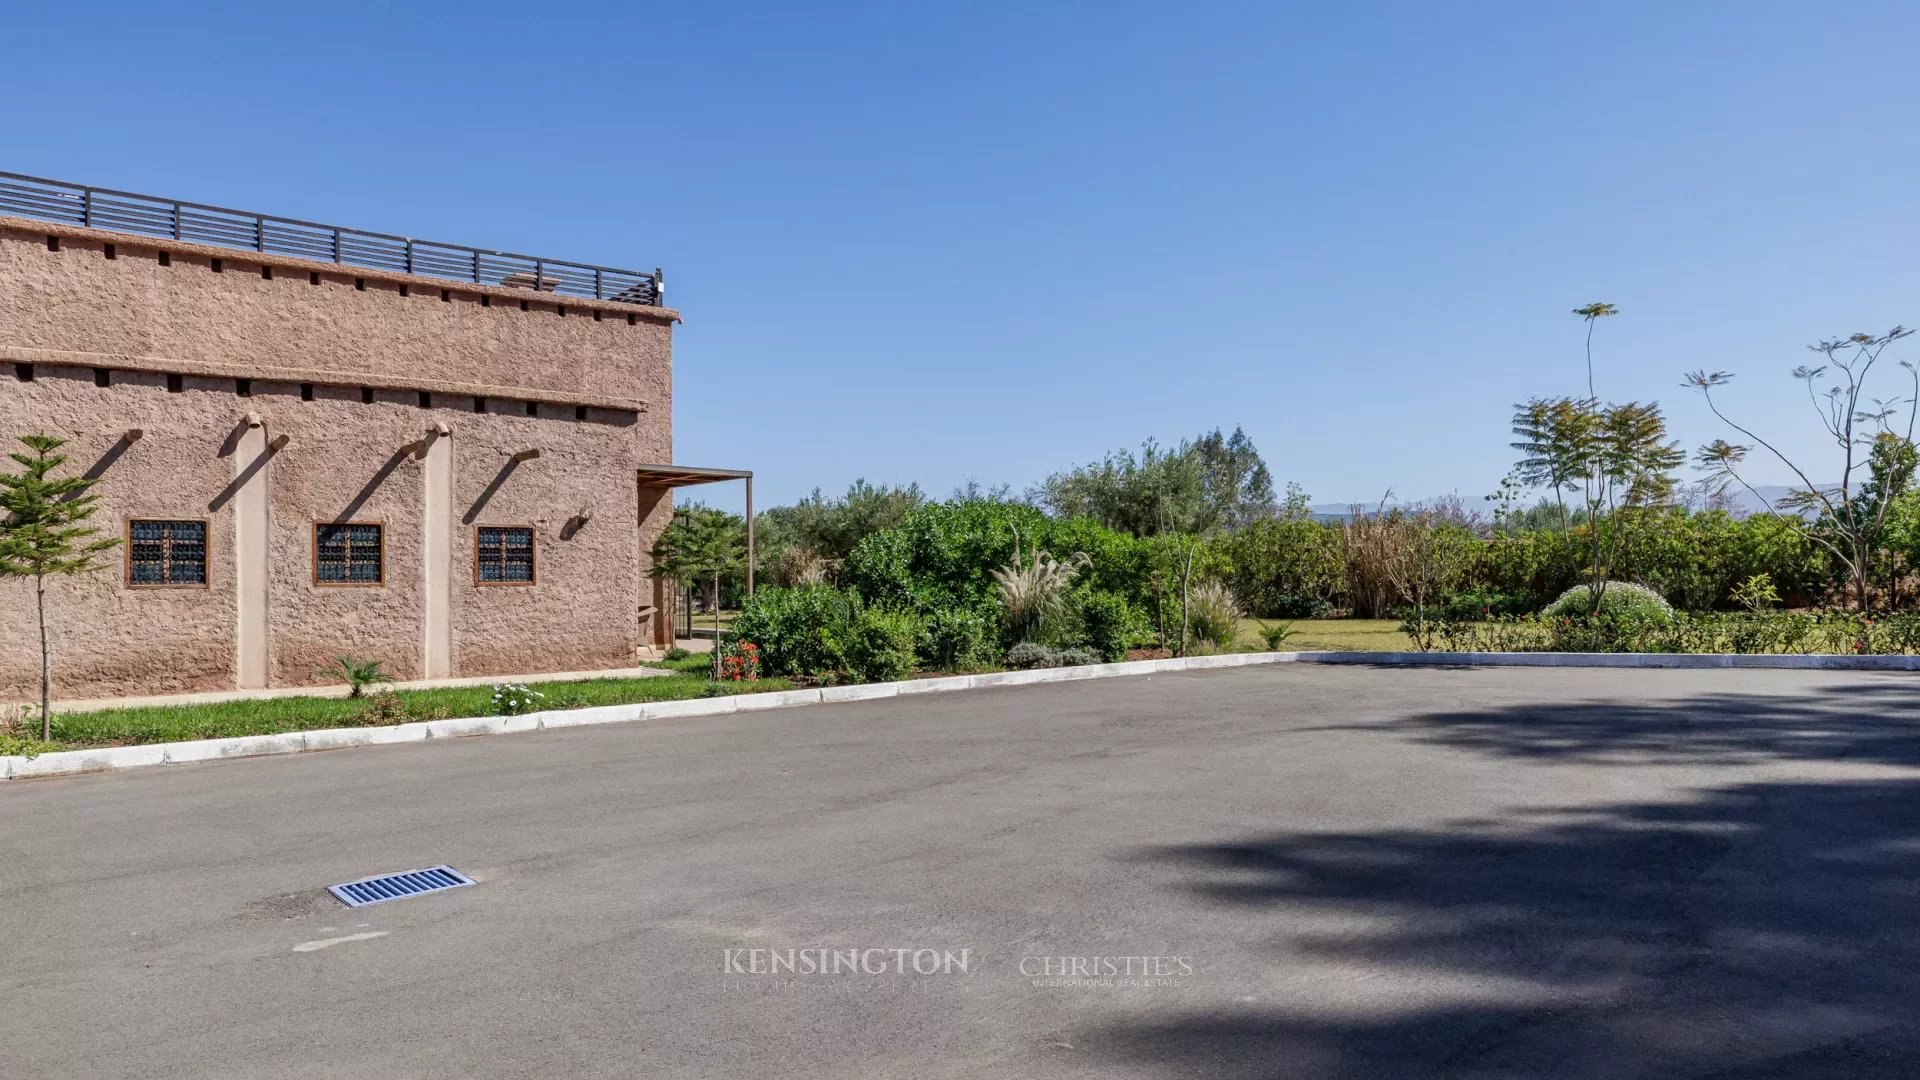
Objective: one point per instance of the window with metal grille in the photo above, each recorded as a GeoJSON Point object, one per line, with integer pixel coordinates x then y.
{"type": "Point", "coordinates": [166, 553]}
{"type": "Point", "coordinates": [347, 554]}
{"type": "Point", "coordinates": [503, 555]}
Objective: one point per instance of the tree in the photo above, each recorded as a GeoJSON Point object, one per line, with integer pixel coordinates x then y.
{"type": "Point", "coordinates": [45, 535]}
{"type": "Point", "coordinates": [1616, 458]}
{"type": "Point", "coordinates": [701, 542]}
{"type": "Point", "coordinates": [1215, 481]}
{"type": "Point", "coordinates": [1850, 530]}
{"type": "Point", "coordinates": [825, 528]}
{"type": "Point", "coordinates": [1432, 555]}
{"type": "Point", "coordinates": [1592, 313]}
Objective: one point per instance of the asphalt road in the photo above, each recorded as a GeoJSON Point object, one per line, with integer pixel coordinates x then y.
{"type": "Point", "coordinates": [1329, 872]}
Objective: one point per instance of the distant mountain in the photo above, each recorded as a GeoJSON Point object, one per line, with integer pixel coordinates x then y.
{"type": "Point", "coordinates": [1744, 502]}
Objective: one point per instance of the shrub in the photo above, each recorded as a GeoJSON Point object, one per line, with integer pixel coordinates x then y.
{"type": "Point", "coordinates": [675, 653]}
{"type": "Point", "coordinates": [1108, 625]}
{"type": "Point", "coordinates": [881, 645]}
{"type": "Point", "coordinates": [1616, 598]}
{"type": "Point", "coordinates": [1288, 567]}
{"type": "Point", "coordinates": [513, 699]}
{"type": "Point", "coordinates": [801, 631]}
{"type": "Point", "coordinates": [956, 639]}
{"type": "Point", "coordinates": [1486, 603]}
{"type": "Point", "coordinates": [739, 661]}
{"type": "Point", "coordinates": [1213, 614]}
{"type": "Point", "coordinates": [1029, 654]}
{"type": "Point", "coordinates": [1756, 593]}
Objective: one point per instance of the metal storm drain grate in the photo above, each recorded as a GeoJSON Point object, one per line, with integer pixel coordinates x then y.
{"type": "Point", "coordinates": [378, 890]}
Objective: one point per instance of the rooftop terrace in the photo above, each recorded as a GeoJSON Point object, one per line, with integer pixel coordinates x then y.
{"type": "Point", "coordinates": [243, 230]}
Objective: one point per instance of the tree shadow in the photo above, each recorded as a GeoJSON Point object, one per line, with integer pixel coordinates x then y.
{"type": "Point", "coordinates": [1876, 721]}
{"type": "Point", "coordinates": [1760, 930]}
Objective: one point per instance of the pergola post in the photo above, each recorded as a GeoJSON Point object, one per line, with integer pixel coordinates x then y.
{"type": "Point", "coordinates": [670, 477]}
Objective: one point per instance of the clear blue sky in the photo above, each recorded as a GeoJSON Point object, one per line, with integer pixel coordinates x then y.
{"type": "Point", "coordinates": [928, 242]}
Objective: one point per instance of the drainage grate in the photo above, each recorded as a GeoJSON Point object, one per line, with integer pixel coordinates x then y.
{"type": "Point", "coordinates": [378, 890]}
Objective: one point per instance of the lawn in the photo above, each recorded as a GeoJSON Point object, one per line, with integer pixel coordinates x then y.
{"type": "Point", "coordinates": [1333, 635]}
{"type": "Point", "coordinates": [271, 716]}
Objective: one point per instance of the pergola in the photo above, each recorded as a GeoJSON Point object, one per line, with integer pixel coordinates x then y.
{"type": "Point", "coordinates": [666, 477]}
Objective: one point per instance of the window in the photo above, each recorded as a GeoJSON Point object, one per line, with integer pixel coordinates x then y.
{"type": "Point", "coordinates": [161, 553]}
{"type": "Point", "coordinates": [348, 553]}
{"type": "Point", "coordinates": [503, 555]}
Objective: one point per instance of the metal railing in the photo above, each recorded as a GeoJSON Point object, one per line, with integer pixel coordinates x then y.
{"type": "Point", "coordinates": [145, 215]}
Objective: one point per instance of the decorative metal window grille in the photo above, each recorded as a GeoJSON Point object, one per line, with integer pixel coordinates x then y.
{"type": "Point", "coordinates": [166, 553]}
{"type": "Point", "coordinates": [505, 555]}
{"type": "Point", "coordinates": [347, 554]}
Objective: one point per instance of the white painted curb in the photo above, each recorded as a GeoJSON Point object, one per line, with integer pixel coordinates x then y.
{"type": "Point", "coordinates": [74, 762]}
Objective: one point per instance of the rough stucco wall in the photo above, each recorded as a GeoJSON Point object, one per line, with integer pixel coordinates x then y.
{"type": "Point", "coordinates": [108, 638]}
{"type": "Point", "coordinates": [582, 612]}
{"type": "Point", "coordinates": [343, 459]}
{"type": "Point", "coordinates": [76, 299]}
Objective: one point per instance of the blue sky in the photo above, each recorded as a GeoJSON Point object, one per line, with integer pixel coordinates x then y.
{"type": "Point", "coordinates": [931, 242]}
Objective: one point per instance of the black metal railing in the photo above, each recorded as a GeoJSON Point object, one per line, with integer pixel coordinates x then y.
{"type": "Point", "coordinates": [146, 215]}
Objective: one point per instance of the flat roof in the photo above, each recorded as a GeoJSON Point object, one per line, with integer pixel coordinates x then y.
{"type": "Point", "coordinates": [41, 199]}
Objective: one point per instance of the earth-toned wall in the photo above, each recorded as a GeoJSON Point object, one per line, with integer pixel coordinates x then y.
{"type": "Point", "coordinates": [193, 361]}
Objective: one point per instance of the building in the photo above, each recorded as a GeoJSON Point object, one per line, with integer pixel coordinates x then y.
{"type": "Point", "coordinates": [314, 442]}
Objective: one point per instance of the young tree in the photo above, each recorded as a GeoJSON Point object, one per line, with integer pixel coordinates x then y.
{"type": "Point", "coordinates": [1616, 458]}
{"type": "Point", "coordinates": [701, 542]}
{"type": "Point", "coordinates": [1431, 555]}
{"type": "Point", "coordinates": [1848, 529]}
{"type": "Point", "coordinates": [45, 535]}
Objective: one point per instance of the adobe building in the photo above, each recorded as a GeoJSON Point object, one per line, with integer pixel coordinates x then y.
{"type": "Point", "coordinates": [313, 441]}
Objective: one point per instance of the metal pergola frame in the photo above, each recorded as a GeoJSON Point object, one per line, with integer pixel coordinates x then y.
{"type": "Point", "coordinates": [679, 476]}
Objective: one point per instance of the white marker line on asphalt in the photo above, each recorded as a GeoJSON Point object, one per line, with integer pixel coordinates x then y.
{"type": "Point", "coordinates": [327, 943]}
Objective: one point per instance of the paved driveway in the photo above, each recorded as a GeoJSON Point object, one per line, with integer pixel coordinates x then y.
{"type": "Point", "coordinates": [1306, 871]}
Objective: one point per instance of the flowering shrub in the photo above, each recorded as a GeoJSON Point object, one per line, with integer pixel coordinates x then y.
{"type": "Point", "coordinates": [739, 661]}
{"type": "Point", "coordinates": [513, 699]}
{"type": "Point", "coordinates": [1616, 598]}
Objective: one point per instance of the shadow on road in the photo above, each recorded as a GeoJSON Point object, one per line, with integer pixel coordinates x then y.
{"type": "Point", "coordinates": [1875, 721]}
{"type": "Point", "coordinates": [1761, 929]}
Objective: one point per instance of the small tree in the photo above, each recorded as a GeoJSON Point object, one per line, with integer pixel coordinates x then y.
{"type": "Point", "coordinates": [701, 542]}
{"type": "Point", "coordinates": [1433, 555]}
{"type": "Point", "coordinates": [45, 535]}
{"type": "Point", "coordinates": [1616, 458]}
{"type": "Point", "coordinates": [1851, 520]}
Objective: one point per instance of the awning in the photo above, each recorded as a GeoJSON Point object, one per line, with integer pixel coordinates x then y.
{"type": "Point", "coordinates": [674, 476]}
{"type": "Point", "coordinates": [679, 476]}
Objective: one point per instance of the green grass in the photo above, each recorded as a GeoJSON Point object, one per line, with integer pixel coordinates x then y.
{"type": "Point", "coordinates": [1334, 635]}
{"type": "Point", "coordinates": [272, 716]}
{"type": "Point", "coordinates": [692, 664]}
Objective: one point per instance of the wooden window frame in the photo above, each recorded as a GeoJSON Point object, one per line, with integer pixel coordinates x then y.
{"type": "Point", "coordinates": [206, 555]}
{"type": "Point", "coordinates": [533, 556]}
{"type": "Point", "coordinates": [315, 550]}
